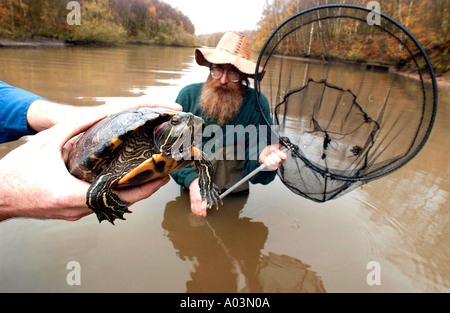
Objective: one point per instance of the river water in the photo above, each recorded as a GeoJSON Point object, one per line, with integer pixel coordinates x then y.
{"type": "Point", "coordinates": [269, 241]}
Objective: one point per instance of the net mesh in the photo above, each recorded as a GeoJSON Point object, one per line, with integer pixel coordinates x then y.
{"type": "Point", "coordinates": [354, 100]}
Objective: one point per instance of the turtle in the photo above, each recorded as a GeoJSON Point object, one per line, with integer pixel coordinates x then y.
{"type": "Point", "coordinates": [132, 147]}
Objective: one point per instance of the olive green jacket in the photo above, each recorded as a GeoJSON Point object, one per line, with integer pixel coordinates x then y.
{"type": "Point", "coordinates": [234, 163]}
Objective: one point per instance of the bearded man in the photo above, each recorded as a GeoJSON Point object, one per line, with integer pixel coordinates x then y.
{"type": "Point", "coordinates": [227, 102]}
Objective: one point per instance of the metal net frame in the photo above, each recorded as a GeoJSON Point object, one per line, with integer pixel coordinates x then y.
{"type": "Point", "coordinates": [353, 101]}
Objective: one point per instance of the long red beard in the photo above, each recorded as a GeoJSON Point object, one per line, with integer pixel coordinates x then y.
{"type": "Point", "coordinates": [221, 103]}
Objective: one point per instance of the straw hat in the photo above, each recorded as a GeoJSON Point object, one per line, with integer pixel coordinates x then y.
{"type": "Point", "coordinates": [232, 49]}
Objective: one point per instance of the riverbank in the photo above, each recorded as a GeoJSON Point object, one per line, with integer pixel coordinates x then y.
{"type": "Point", "coordinates": [32, 42]}
{"type": "Point", "coordinates": [54, 42]}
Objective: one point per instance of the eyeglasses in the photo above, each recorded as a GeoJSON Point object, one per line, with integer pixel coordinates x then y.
{"type": "Point", "coordinates": [217, 72]}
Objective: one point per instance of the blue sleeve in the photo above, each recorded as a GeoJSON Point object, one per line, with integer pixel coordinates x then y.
{"type": "Point", "coordinates": [14, 103]}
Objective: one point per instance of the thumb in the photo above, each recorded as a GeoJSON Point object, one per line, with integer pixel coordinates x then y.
{"type": "Point", "coordinates": [63, 131]}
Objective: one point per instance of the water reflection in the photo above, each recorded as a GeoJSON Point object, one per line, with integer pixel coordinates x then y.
{"type": "Point", "coordinates": [226, 251]}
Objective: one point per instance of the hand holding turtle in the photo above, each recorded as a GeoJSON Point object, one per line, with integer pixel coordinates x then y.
{"type": "Point", "coordinates": [35, 180]}
{"type": "Point", "coordinates": [36, 183]}
{"type": "Point", "coordinates": [44, 114]}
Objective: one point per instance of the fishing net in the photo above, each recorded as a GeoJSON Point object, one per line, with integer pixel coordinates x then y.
{"type": "Point", "coordinates": [352, 94]}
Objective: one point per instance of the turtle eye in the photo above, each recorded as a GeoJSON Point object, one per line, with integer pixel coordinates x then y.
{"type": "Point", "coordinates": [175, 120]}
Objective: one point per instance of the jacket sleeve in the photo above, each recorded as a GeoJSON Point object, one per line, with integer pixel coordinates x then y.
{"type": "Point", "coordinates": [14, 104]}
{"type": "Point", "coordinates": [184, 176]}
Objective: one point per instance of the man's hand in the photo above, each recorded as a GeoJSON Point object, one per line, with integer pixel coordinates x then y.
{"type": "Point", "coordinates": [198, 206]}
{"type": "Point", "coordinates": [272, 156]}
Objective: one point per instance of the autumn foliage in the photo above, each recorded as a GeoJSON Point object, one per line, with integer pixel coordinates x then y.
{"type": "Point", "coordinates": [427, 20]}
{"type": "Point", "coordinates": [150, 21]}
{"type": "Point", "coordinates": [153, 21]}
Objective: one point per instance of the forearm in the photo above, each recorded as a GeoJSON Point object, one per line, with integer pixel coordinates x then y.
{"type": "Point", "coordinates": [17, 197]}
{"type": "Point", "coordinates": [5, 201]}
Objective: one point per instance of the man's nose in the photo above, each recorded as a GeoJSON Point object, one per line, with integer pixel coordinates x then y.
{"type": "Point", "coordinates": [224, 78]}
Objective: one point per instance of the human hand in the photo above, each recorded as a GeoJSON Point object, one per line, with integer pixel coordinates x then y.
{"type": "Point", "coordinates": [272, 157]}
{"type": "Point", "coordinates": [134, 103]}
{"type": "Point", "coordinates": [37, 184]}
{"type": "Point", "coordinates": [43, 114]}
{"type": "Point", "coordinates": [198, 206]}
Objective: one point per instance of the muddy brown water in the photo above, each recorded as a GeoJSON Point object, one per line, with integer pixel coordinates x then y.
{"type": "Point", "coordinates": [270, 240]}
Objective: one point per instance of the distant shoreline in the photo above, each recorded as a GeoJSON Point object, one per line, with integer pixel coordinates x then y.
{"type": "Point", "coordinates": [32, 42]}
{"type": "Point", "coordinates": [54, 42]}
{"type": "Point", "coordinates": [442, 80]}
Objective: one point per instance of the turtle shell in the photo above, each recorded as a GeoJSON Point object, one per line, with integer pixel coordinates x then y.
{"type": "Point", "coordinates": [95, 149]}
{"type": "Point", "coordinates": [133, 147]}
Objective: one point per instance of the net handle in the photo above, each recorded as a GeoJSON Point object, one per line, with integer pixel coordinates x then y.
{"type": "Point", "coordinates": [249, 176]}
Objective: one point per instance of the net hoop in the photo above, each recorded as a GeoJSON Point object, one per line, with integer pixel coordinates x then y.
{"type": "Point", "coordinates": [406, 32]}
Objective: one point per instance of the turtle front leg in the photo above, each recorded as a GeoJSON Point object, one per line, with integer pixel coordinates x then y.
{"type": "Point", "coordinates": [208, 190]}
{"type": "Point", "coordinates": [103, 201]}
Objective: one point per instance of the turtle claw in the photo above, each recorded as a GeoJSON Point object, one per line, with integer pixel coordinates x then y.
{"type": "Point", "coordinates": [111, 215]}
{"type": "Point", "coordinates": [107, 205]}
{"type": "Point", "coordinates": [211, 196]}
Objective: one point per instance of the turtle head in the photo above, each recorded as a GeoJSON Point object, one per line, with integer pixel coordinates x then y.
{"type": "Point", "coordinates": [176, 137]}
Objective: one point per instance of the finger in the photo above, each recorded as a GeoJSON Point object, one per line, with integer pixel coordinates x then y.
{"type": "Point", "coordinates": [271, 163]}
{"type": "Point", "coordinates": [113, 108]}
{"type": "Point", "coordinates": [137, 193]}
{"type": "Point", "coordinates": [62, 132]}
{"type": "Point", "coordinates": [199, 211]}
{"type": "Point", "coordinates": [68, 147]}
{"type": "Point", "coordinates": [79, 125]}
{"type": "Point", "coordinates": [195, 206]}
{"type": "Point", "coordinates": [204, 208]}
{"type": "Point", "coordinates": [276, 158]}
{"type": "Point", "coordinates": [271, 160]}
{"type": "Point", "coordinates": [198, 207]}
{"type": "Point", "coordinates": [170, 106]}
{"type": "Point", "coordinates": [282, 154]}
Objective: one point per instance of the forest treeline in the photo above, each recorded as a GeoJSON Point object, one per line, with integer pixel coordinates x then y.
{"type": "Point", "coordinates": [149, 21]}
{"type": "Point", "coordinates": [427, 20]}
{"type": "Point", "coordinates": [153, 21]}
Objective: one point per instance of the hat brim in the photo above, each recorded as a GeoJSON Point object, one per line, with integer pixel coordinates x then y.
{"type": "Point", "coordinates": [206, 57]}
